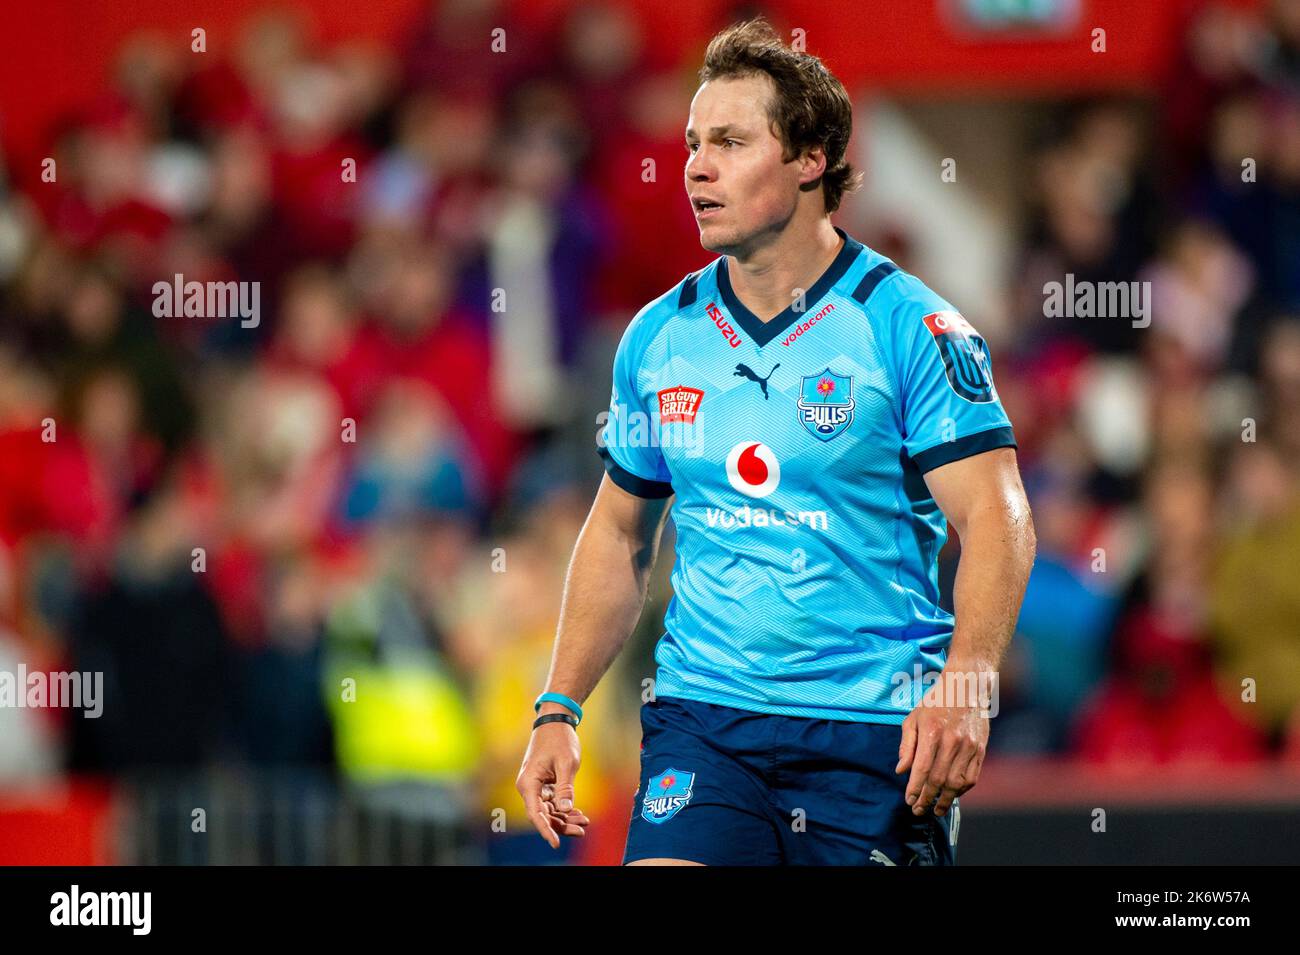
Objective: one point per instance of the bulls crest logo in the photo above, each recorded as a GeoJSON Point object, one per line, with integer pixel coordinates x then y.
{"type": "Point", "coordinates": [965, 356]}
{"type": "Point", "coordinates": [666, 795]}
{"type": "Point", "coordinates": [826, 404]}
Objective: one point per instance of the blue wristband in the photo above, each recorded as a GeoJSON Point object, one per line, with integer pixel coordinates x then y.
{"type": "Point", "coordinates": [562, 700]}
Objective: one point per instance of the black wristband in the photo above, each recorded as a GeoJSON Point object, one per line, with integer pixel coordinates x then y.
{"type": "Point", "coordinates": [556, 718]}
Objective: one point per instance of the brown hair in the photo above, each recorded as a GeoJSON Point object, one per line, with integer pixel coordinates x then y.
{"type": "Point", "coordinates": [811, 107]}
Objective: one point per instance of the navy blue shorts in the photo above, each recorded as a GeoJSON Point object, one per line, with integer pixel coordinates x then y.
{"type": "Point", "coordinates": [724, 786]}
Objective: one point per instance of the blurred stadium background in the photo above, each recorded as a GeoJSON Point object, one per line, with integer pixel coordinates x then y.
{"type": "Point", "coordinates": [425, 560]}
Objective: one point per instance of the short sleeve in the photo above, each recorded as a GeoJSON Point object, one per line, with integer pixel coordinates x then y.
{"type": "Point", "coordinates": [949, 403]}
{"type": "Point", "coordinates": [629, 442]}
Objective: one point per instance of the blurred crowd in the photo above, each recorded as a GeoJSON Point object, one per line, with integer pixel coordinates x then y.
{"type": "Point", "coordinates": [1161, 455]}
{"type": "Point", "coordinates": [337, 538]}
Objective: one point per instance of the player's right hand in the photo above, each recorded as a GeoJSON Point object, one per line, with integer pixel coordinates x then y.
{"type": "Point", "coordinates": [546, 782]}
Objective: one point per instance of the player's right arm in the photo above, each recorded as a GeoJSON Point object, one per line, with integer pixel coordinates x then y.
{"type": "Point", "coordinates": [604, 590]}
{"type": "Point", "coordinates": [604, 593]}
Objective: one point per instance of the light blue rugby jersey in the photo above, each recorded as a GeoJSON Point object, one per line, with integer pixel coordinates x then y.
{"type": "Point", "coordinates": [806, 579]}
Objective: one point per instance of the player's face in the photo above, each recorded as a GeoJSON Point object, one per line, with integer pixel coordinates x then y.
{"type": "Point", "coordinates": [734, 159]}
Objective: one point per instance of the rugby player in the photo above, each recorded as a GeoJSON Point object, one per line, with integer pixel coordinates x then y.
{"type": "Point", "coordinates": [815, 417]}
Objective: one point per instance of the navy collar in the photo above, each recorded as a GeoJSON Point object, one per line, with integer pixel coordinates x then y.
{"type": "Point", "coordinates": [763, 332]}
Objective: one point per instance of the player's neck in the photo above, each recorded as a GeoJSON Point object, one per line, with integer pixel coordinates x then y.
{"type": "Point", "coordinates": [765, 280]}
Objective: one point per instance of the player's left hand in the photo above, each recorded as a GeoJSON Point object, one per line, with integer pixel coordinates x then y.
{"type": "Point", "coordinates": [944, 741]}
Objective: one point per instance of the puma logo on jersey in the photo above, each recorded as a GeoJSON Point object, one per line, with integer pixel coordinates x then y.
{"type": "Point", "coordinates": [744, 371]}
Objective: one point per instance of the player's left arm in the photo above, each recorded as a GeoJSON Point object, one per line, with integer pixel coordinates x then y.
{"type": "Point", "coordinates": [945, 737]}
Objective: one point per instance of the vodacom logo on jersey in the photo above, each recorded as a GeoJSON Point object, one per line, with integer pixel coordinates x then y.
{"type": "Point", "coordinates": [753, 469]}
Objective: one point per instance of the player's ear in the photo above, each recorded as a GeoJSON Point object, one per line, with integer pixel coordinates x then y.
{"type": "Point", "coordinates": [813, 165]}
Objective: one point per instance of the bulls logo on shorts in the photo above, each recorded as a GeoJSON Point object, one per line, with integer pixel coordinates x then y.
{"type": "Point", "coordinates": [965, 356]}
{"type": "Point", "coordinates": [666, 795]}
